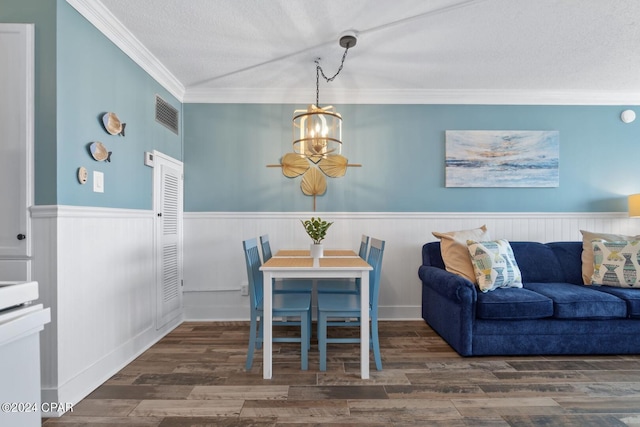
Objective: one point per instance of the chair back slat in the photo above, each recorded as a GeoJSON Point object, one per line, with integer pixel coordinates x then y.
{"type": "Point", "coordinates": [252, 257]}
{"type": "Point", "coordinates": [266, 248]}
{"type": "Point", "coordinates": [375, 260]}
{"type": "Point", "coordinates": [364, 243]}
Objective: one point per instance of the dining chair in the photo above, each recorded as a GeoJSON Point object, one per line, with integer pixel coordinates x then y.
{"type": "Point", "coordinates": [345, 286]}
{"type": "Point", "coordinates": [283, 285]}
{"type": "Point", "coordinates": [347, 307]}
{"type": "Point", "coordinates": [285, 305]}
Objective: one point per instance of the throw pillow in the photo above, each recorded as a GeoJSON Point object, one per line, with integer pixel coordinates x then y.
{"type": "Point", "coordinates": [453, 247]}
{"type": "Point", "coordinates": [587, 250]}
{"type": "Point", "coordinates": [616, 263]}
{"type": "Point", "coordinates": [494, 265]}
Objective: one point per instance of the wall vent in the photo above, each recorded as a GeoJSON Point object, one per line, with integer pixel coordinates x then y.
{"type": "Point", "coordinates": [167, 115]}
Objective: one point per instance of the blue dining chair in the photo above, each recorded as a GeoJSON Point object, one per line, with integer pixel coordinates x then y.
{"type": "Point", "coordinates": [283, 286]}
{"type": "Point", "coordinates": [284, 305]}
{"type": "Point", "coordinates": [347, 307]}
{"type": "Point", "coordinates": [345, 286]}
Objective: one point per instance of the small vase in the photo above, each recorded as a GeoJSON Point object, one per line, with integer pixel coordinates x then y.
{"type": "Point", "coordinates": [317, 250]}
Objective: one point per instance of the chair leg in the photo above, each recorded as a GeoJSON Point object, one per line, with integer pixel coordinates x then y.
{"type": "Point", "coordinates": [252, 342]}
{"type": "Point", "coordinates": [260, 333]}
{"type": "Point", "coordinates": [304, 341]}
{"type": "Point", "coordinates": [322, 340]}
{"type": "Point", "coordinates": [309, 324]}
{"type": "Point", "coordinates": [375, 342]}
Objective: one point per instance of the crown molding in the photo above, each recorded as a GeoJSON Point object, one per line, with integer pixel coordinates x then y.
{"type": "Point", "coordinates": [417, 96]}
{"type": "Point", "coordinates": [102, 18]}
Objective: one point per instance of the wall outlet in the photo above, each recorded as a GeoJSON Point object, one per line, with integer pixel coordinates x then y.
{"type": "Point", "coordinates": [244, 289]}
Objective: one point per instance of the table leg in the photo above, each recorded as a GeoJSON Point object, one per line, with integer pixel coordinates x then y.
{"type": "Point", "coordinates": [364, 325]}
{"type": "Point", "coordinates": [267, 318]}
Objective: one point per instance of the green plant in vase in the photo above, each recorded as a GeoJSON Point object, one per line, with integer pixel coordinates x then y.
{"type": "Point", "coordinates": [316, 228]}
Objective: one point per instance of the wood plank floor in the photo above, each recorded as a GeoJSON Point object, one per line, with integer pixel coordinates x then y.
{"type": "Point", "coordinates": [195, 377]}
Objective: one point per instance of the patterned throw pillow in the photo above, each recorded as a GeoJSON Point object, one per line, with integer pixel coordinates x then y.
{"type": "Point", "coordinates": [616, 263]}
{"type": "Point", "coordinates": [494, 264]}
{"type": "Point", "coordinates": [587, 250]}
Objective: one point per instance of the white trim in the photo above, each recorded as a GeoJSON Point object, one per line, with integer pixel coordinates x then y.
{"type": "Point", "coordinates": [84, 382]}
{"type": "Point", "coordinates": [404, 215]}
{"type": "Point", "coordinates": [30, 127]}
{"type": "Point", "coordinates": [412, 96]}
{"type": "Point", "coordinates": [62, 211]}
{"type": "Point", "coordinates": [102, 18]}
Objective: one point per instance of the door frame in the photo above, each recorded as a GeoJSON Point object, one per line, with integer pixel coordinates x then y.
{"type": "Point", "coordinates": [27, 39]}
{"type": "Point", "coordinates": [160, 159]}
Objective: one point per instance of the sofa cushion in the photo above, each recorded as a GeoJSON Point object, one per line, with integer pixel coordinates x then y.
{"type": "Point", "coordinates": [453, 245]}
{"type": "Point", "coordinates": [580, 302]}
{"type": "Point", "coordinates": [432, 256]}
{"type": "Point", "coordinates": [616, 263]}
{"type": "Point", "coordinates": [587, 250]}
{"type": "Point", "coordinates": [569, 256]}
{"type": "Point", "coordinates": [629, 295]}
{"type": "Point", "coordinates": [537, 262]}
{"type": "Point", "coordinates": [494, 265]}
{"type": "Point", "coordinates": [513, 303]}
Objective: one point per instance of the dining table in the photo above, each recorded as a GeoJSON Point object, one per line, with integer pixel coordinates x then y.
{"type": "Point", "coordinates": [298, 264]}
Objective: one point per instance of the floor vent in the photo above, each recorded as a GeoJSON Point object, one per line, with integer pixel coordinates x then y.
{"type": "Point", "coordinates": [167, 115]}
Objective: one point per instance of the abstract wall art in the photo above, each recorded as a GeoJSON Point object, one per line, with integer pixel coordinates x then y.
{"type": "Point", "coordinates": [502, 158]}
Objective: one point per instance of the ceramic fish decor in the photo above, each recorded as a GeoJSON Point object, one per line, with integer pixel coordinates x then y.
{"type": "Point", "coordinates": [112, 124]}
{"type": "Point", "coordinates": [99, 152]}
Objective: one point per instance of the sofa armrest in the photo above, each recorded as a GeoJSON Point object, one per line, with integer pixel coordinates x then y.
{"type": "Point", "coordinates": [451, 286]}
{"type": "Point", "coordinates": [449, 306]}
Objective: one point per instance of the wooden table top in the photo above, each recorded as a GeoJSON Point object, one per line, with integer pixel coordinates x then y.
{"type": "Point", "coordinates": [325, 262]}
{"type": "Point", "coordinates": [307, 253]}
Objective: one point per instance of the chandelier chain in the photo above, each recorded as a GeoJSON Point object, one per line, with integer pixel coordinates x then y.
{"type": "Point", "coordinates": [320, 71]}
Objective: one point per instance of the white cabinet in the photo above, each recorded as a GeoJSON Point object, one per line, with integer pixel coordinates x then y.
{"type": "Point", "coordinates": [20, 326]}
{"type": "Point", "coordinates": [16, 148]}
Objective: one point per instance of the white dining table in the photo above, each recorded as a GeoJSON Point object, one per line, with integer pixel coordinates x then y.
{"type": "Point", "coordinates": [305, 267]}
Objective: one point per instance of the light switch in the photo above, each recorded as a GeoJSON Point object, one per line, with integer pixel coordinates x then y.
{"type": "Point", "coordinates": [98, 182]}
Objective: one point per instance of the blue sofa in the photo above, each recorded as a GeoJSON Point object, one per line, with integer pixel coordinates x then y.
{"type": "Point", "coordinates": [554, 313]}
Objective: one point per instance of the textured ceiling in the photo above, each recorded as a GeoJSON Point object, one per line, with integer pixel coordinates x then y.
{"type": "Point", "coordinates": [263, 51]}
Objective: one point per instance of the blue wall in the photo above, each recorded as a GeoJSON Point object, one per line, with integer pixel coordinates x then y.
{"type": "Point", "coordinates": [95, 77]}
{"type": "Point", "coordinates": [402, 150]}
{"type": "Point", "coordinates": [80, 75]}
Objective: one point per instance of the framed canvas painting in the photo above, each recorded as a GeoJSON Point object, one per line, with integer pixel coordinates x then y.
{"type": "Point", "coordinates": [479, 158]}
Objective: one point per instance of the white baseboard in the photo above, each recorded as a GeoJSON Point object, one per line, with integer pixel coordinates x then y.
{"type": "Point", "coordinates": [86, 381]}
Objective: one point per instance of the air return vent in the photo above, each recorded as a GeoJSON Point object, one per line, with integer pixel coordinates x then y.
{"type": "Point", "coordinates": [167, 115]}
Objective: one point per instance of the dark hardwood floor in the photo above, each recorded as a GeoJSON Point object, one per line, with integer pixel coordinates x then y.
{"type": "Point", "coordinates": [195, 377]}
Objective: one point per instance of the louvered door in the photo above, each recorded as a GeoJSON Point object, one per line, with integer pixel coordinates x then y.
{"type": "Point", "coordinates": [168, 203]}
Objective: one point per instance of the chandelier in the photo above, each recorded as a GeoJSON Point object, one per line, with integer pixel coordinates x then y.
{"type": "Point", "coordinates": [317, 139]}
{"type": "Point", "coordinates": [317, 131]}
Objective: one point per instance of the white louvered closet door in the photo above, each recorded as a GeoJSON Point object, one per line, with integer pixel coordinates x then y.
{"type": "Point", "coordinates": [168, 204]}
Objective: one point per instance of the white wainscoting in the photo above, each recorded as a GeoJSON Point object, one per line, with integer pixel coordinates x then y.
{"type": "Point", "coordinates": [95, 268]}
{"type": "Point", "coordinates": [214, 268]}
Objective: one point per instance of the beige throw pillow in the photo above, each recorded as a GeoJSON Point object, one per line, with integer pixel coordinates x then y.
{"type": "Point", "coordinates": [587, 250]}
{"type": "Point", "coordinates": [455, 254]}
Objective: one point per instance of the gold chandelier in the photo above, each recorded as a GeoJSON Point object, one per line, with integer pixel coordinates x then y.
{"type": "Point", "coordinates": [317, 139]}
{"type": "Point", "coordinates": [317, 131]}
